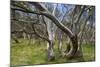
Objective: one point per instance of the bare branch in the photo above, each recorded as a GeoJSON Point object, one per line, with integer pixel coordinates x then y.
{"type": "Point", "coordinates": [53, 18]}
{"type": "Point", "coordinates": [36, 33]}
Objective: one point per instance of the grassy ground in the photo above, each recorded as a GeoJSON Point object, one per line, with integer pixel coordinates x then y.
{"type": "Point", "coordinates": [24, 53]}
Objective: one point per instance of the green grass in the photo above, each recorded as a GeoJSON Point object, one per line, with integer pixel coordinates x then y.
{"type": "Point", "coordinates": [24, 53]}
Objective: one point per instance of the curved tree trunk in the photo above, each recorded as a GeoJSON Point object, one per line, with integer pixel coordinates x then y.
{"type": "Point", "coordinates": [46, 13]}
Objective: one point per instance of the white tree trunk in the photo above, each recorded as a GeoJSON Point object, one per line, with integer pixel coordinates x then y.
{"type": "Point", "coordinates": [59, 41]}
{"type": "Point", "coordinates": [51, 34]}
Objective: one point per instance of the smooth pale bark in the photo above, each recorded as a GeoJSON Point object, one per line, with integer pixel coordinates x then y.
{"type": "Point", "coordinates": [50, 51]}
{"type": "Point", "coordinates": [24, 35]}
{"type": "Point", "coordinates": [60, 41]}
{"type": "Point", "coordinates": [50, 43]}
{"type": "Point", "coordinates": [51, 35]}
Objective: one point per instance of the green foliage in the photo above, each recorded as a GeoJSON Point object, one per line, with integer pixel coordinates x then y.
{"type": "Point", "coordinates": [30, 54]}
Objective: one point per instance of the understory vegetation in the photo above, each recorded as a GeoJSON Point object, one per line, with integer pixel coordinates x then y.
{"type": "Point", "coordinates": [25, 53]}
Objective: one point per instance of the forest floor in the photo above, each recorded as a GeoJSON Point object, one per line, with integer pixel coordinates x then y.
{"type": "Point", "coordinates": [24, 53]}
